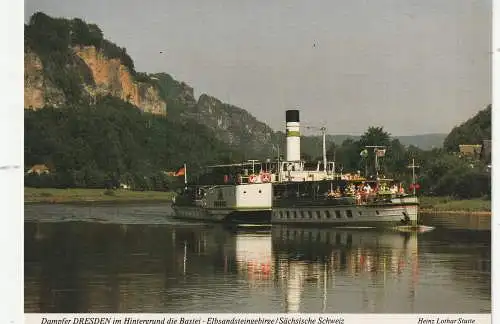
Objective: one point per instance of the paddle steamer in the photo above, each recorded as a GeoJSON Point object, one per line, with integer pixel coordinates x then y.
{"type": "Point", "coordinates": [286, 192]}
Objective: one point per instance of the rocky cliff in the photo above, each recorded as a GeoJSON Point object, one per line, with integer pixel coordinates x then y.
{"type": "Point", "coordinates": [230, 124]}
{"type": "Point", "coordinates": [110, 77]}
{"type": "Point", "coordinates": [68, 62]}
{"type": "Point", "coordinates": [38, 90]}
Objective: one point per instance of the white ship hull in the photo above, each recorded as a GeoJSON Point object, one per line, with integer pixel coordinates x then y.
{"type": "Point", "coordinates": [246, 203]}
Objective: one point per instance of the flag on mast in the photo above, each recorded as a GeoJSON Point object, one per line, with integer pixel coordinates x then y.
{"type": "Point", "coordinates": [181, 171]}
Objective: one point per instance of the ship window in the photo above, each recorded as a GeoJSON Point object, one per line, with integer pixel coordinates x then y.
{"type": "Point", "coordinates": [287, 214]}
{"type": "Point", "coordinates": [310, 214]}
{"type": "Point", "coordinates": [244, 191]}
{"type": "Point", "coordinates": [260, 191]}
{"type": "Point", "coordinates": [327, 213]}
{"type": "Point", "coordinates": [294, 214]}
{"type": "Point", "coordinates": [337, 214]}
{"type": "Point", "coordinates": [377, 212]}
{"type": "Point", "coordinates": [220, 204]}
{"type": "Point", "coordinates": [349, 213]}
{"type": "Point", "coordinates": [318, 214]}
{"type": "Point", "coordinates": [302, 214]}
{"type": "Point", "coordinates": [337, 238]}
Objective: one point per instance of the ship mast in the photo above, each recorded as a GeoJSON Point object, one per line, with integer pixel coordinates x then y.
{"type": "Point", "coordinates": [323, 131]}
{"type": "Point", "coordinates": [413, 166]}
{"type": "Point", "coordinates": [376, 148]}
{"type": "Point", "coordinates": [323, 134]}
{"type": "Point", "coordinates": [253, 165]}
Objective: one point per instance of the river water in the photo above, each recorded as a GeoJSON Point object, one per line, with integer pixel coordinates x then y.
{"type": "Point", "coordinates": [137, 258]}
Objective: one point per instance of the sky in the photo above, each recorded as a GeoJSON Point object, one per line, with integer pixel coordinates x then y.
{"type": "Point", "coordinates": [411, 66]}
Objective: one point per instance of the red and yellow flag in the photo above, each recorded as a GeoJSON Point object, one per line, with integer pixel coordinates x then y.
{"type": "Point", "coordinates": [180, 172]}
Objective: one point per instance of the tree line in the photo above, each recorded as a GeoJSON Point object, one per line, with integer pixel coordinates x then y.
{"type": "Point", "coordinates": [113, 142]}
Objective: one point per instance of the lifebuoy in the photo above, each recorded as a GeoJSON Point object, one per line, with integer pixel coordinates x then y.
{"type": "Point", "coordinates": [266, 177]}
{"type": "Point", "coordinates": [252, 178]}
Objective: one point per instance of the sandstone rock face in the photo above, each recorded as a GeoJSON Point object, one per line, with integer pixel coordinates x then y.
{"type": "Point", "coordinates": [110, 78]}
{"type": "Point", "coordinates": [38, 91]}
{"type": "Point", "coordinates": [232, 124]}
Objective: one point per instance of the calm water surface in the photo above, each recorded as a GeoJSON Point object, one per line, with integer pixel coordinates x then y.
{"type": "Point", "coordinates": [139, 259]}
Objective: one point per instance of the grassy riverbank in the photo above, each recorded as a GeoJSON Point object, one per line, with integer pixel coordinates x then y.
{"type": "Point", "coordinates": [447, 204]}
{"type": "Point", "coordinates": [51, 195]}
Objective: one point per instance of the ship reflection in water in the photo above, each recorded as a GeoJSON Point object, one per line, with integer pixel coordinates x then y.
{"type": "Point", "coordinates": [92, 267]}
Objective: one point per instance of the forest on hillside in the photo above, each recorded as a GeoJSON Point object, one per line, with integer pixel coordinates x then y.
{"type": "Point", "coordinates": [112, 142]}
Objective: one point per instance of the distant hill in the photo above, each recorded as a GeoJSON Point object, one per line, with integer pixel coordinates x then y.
{"type": "Point", "coordinates": [473, 131]}
{"type": "Point", "coordinates": [424, 141]}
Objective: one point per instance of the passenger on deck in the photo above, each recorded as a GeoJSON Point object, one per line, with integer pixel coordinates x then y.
{"type": "Point", "coordinates": [358, 197]}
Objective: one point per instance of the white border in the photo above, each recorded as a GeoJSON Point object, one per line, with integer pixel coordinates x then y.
{"type": "Point", "coordinates": [495, 180]}
{"type": "Point", "coordinates": [280, 318]}
{"type": "Point", "coordinates": [11, 161]}
{"type": "Point", "coordinates": [11, 183]}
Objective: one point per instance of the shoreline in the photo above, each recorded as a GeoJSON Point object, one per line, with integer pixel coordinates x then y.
{"type": "Point", "coordinates": [98, 202]}
{"type": "Point", "coordinates": [451, 206]}
{"type": "Point", "coordinates": [456, 212]}
{"type": "Point", "coordinates": [79, 196]}
{"type": "Point", "coordinates": [428, 205]}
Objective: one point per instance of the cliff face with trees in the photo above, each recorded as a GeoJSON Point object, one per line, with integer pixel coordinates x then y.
{"type": "Point", "coordinates": [69, 62]}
